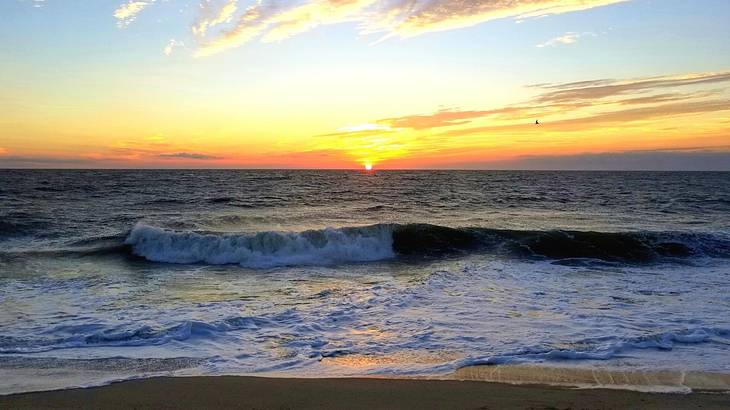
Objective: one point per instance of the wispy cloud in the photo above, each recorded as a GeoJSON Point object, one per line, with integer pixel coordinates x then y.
{"type": "Point", "coordinates": [35, 3]}
{"type": "Point", "coordinates": [225, 24]}
{"type": "Point", "coordinates": [568, 113]}
{"type": "Point", "coordinates": [668, 97]}
{"type": "Point", "coordinates": [103, 161]}
{"type": "Point", "coordinates": [274, 21]}
{"type": "Point", "coordinates": [412, 17]}
{"type": "Point", "coordinates": [604, 119]}
{"type": "Point", "coordinates": [214, 13]}
{"type": "Point", "coordinates": [171, 45]}
{"type": "Point", "coordinates": [21, 161]}
{"type": "Point", "coordinates": [596, 89]}
{"type": "Point", "coordinates": [640, 160]}
{"type": "Point", "coordinates": [580, 100]}
{"type": "Point", "coordinates": [567, 98]}
{"type": "Point", "coordinates": [444, 118]}
{"type": "Point", "coordinates": [154, 148]}
{"type": "Point", "coordinates": [567, 38]}
{"type": "Point", "coordinates": [114, 158]}
{"type": "Point", "coordinates": [127, 12]}
{"type": "Point", "coordinates": [189, 155]}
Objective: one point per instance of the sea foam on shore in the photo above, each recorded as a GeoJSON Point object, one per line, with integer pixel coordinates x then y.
{"type": "Point", "coordinates": [603, 378]}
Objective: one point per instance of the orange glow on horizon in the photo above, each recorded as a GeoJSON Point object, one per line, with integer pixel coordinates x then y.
{"type": "Point", "coordinates": [623, 116]}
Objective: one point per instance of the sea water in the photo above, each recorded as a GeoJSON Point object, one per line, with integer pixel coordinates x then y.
{"type": "Point", "coordinates": [111, 275]}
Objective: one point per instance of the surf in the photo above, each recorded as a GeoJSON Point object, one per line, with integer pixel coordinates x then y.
{"type": "Point", "coordinates": [264, 249]}
{"type": "Point", "coordinates": [387, 241]}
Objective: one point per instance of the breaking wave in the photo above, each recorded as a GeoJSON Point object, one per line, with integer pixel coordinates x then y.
{"type": "Point", "coordinates": [264, 249]}
{"type": "Point", "coordinates": [630, 247]}
{"type": "Point", "coordinates": [99, 335]}
{"type": "Point", "coordinates": [385, 241]}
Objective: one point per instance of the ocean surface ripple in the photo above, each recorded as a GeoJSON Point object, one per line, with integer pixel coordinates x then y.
{"type": "Point", "coordinates": [108, 275]}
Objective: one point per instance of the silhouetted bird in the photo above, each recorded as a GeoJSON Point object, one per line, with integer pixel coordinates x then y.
{"type": "Point", "coordinates": [537, 122]}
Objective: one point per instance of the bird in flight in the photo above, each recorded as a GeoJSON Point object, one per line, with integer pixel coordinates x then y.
{"type": "Point", "coordinates": [537, 122]}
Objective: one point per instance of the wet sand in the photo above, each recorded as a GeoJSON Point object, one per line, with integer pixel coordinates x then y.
{"type": "Point", "coordinates": [659, 381]}
{"type": "Point", "coordinates": [290, 393]}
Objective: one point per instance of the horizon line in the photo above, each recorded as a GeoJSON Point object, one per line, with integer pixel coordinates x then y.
{"type": "Point", "coordinates": [374, 170]}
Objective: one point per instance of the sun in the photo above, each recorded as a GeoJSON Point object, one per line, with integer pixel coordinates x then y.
{"type": "Point", "coordinates": [368, 167]}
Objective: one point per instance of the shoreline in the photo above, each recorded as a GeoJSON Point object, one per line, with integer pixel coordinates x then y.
{"type": "Point", "coordinates": [253, 392]}
{"type": "Point", "coordinates": [645, 381]}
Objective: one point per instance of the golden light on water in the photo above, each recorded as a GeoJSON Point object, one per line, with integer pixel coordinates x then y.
{"type": "Point", "coordinates": [359, 361]}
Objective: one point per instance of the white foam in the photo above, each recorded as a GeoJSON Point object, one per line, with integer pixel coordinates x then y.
{"type": "Point", "coordinates": [661, 341]}
{"type": "Point", "coordinates": [264, 249]}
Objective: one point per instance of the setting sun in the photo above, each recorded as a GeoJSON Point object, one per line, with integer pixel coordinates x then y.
{"type": "Point", "coordinates": [368, 167]}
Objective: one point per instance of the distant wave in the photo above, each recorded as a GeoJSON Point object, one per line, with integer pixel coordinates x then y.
{"type": "Point", "coordinates": [20, 223]}
{"type": "Point", "coordinates": [94, 246]}
{"type": "Point", "coordinates": [8, 229]}
{"type": "Point", "coordinates": [162, 201]}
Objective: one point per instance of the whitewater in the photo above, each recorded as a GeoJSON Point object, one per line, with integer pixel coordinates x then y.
{"type": "Point", "coordinates": [112, 275]}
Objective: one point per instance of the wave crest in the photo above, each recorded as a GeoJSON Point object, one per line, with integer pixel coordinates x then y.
{"type": "Point", "coordinates": [624, 247]}
{"type": "Point", "coordinates": [264, 249]}
{"type": "Point", "coordinates": [385, 241]}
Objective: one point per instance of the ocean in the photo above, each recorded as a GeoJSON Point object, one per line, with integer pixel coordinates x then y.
{"type": "Point", "coordinates": [116, 274]}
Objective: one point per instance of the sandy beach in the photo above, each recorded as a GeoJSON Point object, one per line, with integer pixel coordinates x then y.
{"type": "Point", "coordinates": [291, 393]}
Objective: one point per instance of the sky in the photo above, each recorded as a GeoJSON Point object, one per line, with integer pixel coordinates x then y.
{"type": "Point", "coordinates": [396, 84]}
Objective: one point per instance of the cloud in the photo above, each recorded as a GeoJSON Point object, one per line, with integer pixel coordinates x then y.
{"type": "Point", "coordinates": [365, 127]}
{"type": "Point", "coordinates": [412, 17]}
{"type": "Point", "coordinates": [641, 112]}
{"type": "Point", "coordinates": [603, 119]}
{"type": "Point", "coordinates": [127, 12]}
{"type": "Point", "coordinates": [567, 38]}
{"type": "Point", "coordinates": [606, 88]}
{"type": "Point", "coordinates": [275, 20]}
{"type": "Point", "coordinates": [668, 97]}
{"type": "Point", "coordinates": [170, 47]}
{"type": "Point", "coordinates": [572, 98]}
{"type": "Point", "coordinates": [642, 160]}
{"type": "Point", "coordinates": [223, 24]}
{"type": "Point", "coordinates": [19, 161]}
{"type": "Point", "coordinates": [189, 155]}
{"type": "Point", "coordinates": [35, 3]}
{"type": "Point", "coordinates": [101, 161]}
{"type": "Point", "coordinates": [443, 118]}
{"type": "Point", "coordinates": [214, 13]}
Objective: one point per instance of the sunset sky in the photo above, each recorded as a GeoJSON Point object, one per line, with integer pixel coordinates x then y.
{"type": "Point", "coordinates": [615, 84]}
